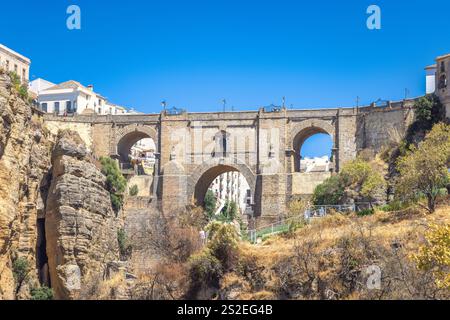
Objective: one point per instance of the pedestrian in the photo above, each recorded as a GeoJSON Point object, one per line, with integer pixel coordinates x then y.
{"type": "Point", "coordinates": [203, 237]}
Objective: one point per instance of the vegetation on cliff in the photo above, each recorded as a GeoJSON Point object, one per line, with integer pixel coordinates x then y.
{"type": "Point", "coordinates": [115, 181]}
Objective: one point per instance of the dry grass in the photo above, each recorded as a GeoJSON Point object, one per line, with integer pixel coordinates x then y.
{"type": "Point", "coordinates": [326, 259]}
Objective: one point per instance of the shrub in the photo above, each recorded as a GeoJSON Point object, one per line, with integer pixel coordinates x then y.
{"type": "Point", "coordinates": [365, 212]}
{"type": "Point", "coordinates": [125, 248]}
{"type": "Point", "coordinates": [115, 181]}
{"type": "Point", "coordinates": [42, 293]}
{"type": "Point", "coordinates": [358, 179]}
{"type": "Point", "coordinates": [330, 192]}
{"type": "Point", "coordinates": [204, 269]}
{"type": "Point", "coordinates": [134, 190]}
{"type": "Point", "coordinates": [223, 240]}
{"type": "Point", "coordinates": [435, 255]}
{"type": "Point", "coordinates": [21, 269]}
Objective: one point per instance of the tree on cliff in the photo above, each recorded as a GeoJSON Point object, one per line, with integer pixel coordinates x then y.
{"type": "Point", "coordinates": [424, 169]}
{"type": "Point", "coordinates": [115, 181]}
{"type": "Point", "coordinates": [210, 203]}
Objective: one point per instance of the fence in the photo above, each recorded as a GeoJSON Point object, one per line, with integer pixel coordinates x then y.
{"type": "Point", "coordinates": [313, 212]}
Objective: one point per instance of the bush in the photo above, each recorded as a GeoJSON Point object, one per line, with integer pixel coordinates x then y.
{"type": "Point", "coordinates": [204, 269]}
{"type": "Point", "coordinates": [134, 190]}
{"type": "Point", "coordinates": [21, 269]}
{"type": "Point", "coordinates": [115, 181]}
{"type": "Point", "coordinates": [223, 240]}
{"type": "Point", "coordinates": [330, 192]}
{"type": "Point", "coordinates": [42, 293]}
{"type": "Point", "coordinates": [360, 180]}
{"type": "Point", "coordinates": [435, 255]}
{"type": "Point", "coordinates": [365, 212]}
{"type": "Point", "coordinates": [125, 248]}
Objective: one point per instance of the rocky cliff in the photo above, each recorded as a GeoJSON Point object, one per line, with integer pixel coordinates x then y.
{"type": "Point", "coordinates": [57, 227]}
{"type": "Point", "coordinates": [81, 227]}
{"type": "Point", "coordinates": [24, 163]}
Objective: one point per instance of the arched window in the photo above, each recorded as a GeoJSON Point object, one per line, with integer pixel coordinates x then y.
{"type": "Point", "coordinates": [222, 144]}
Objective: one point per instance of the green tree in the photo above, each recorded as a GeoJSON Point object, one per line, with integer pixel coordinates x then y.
{"type": "Point", "coordinates": [358, 179]}
{"type": "Point", "coordinates": [210, 203]}
{"type": "Point", "coordinates": [229, 211]}
{"type": "Point", "coordinates": [330, 192]}
{"type": "Point", "coordinates": [424, 169]}
{"type": "Point", "coordinates": [364, 179]}
{"type": "Point", "coordinates": [115, 181]}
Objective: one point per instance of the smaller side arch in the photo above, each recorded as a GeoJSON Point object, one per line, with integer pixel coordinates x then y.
{"type": "Point", "coordinates": [125, 138]}
{"type": "Point", "coordinates": [304, 130]}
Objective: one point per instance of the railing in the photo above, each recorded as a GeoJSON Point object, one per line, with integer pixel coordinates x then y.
{"type": "Point", "coordinates": [313, 212]}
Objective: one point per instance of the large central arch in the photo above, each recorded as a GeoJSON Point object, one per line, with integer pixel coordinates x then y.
{"type": "Point", "coordinates": [202, 177]}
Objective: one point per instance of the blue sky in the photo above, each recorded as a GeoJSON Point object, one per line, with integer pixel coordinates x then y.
{"type": "Point", "coordinates": [195, 53]}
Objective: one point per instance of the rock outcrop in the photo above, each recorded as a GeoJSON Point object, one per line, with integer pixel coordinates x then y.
{"type": "Point", "coordinates": [56, 221]}
{"type": "Point", "coordinates": [25, 150]}
{"type": "Point", "coordinates": [81, 227]}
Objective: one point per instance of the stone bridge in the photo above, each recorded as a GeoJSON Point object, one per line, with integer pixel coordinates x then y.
{"type": "Point", "coordinates": [194, 148]}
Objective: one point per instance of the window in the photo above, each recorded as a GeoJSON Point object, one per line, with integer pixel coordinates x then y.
{"type": "Point", "coordinates": [24, 74]}
{"type": "Point", "coordinates": [99, 111]}
{"type": "Point", "coordinates": [15, 68]}
{"type": "Point", "coordinates": [99, 102]}
{"type": "Point", "coordinates": [56, 109]}
{"type": "Point", "coordinates": [44, 107]}
{"type": "Point", "coordinates": [7, 65]}
{"type": "Point", "coordinates": [221, 144]}
{"type": "Point", "coordinates": [69, 106]}
{"type": "Point", "coordinates": [442, 66]}
{"type": "Point", "coordinates": [443, 82]}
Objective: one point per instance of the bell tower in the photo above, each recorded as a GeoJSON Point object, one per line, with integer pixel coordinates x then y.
{"type": "Point", "coordinates": [442, 81]}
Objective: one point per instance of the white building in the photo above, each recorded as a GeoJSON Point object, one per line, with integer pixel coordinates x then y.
{"type": "Point", "coordinates": [71, 97]}
{"type": "Point", "coordinates": [431, 78]}
{"type": "Point", "coordinates": [232, 186]}
{"type": "Point", "coordinates": [15, 62]}
{"type": "Point", "coordinates": [317, 164]}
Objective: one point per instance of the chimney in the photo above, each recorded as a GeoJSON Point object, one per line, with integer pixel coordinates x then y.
{"type": "Point", "coordinates": [90, 87]}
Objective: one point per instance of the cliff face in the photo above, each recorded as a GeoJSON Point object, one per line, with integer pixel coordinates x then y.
{"type": "Point", "coordinates": [55, 211]}
{"type": "Point", "coordinates": [24, 164]}
{"type": "Point", "coordinates": [81, 227]}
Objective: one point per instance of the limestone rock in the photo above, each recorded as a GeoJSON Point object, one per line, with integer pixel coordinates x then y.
{"type": "Point", "coordinates": [81, 227]}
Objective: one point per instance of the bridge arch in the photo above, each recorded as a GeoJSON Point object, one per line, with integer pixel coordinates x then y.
{"type": "Point", "coordinates": [127, 136]}
{"type": "Point", "coordinates": [306, 129]}
{"type": "Point", "coordinates": [202, 177]}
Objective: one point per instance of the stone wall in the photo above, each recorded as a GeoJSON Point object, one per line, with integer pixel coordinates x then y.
{"type": "Point", "coordinates": [305, 183]}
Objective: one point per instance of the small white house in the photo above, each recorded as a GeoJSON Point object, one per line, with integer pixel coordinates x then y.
{"type": "Point", "coordinates": [71, 97]}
